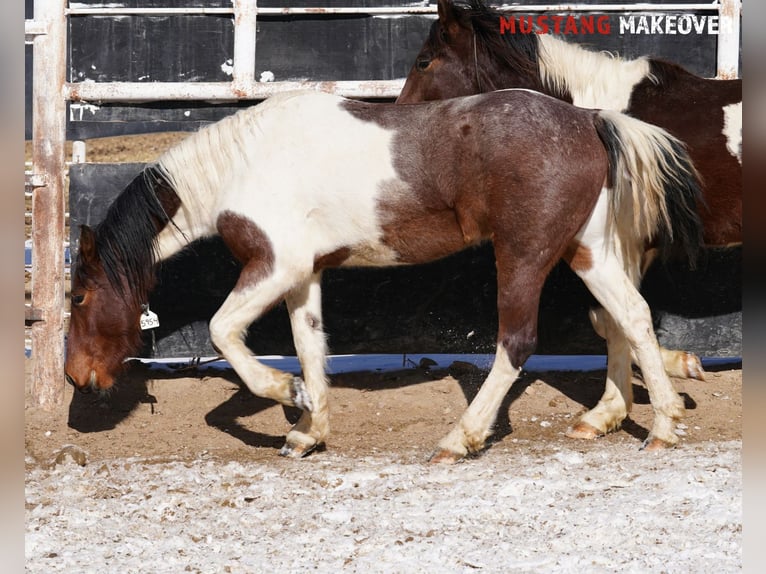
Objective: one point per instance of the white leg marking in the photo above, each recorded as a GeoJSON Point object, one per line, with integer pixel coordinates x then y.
{"type": "Point", "coordinates": [227, 330]}
{"type": "Point", "coordinates": [617, 400]}
{"type": "Point", "coordinates": [609, 282]}
{"type": "Point", "coordinates": [304, 304]}
{"type": "Point", "coordinates": [682, 364]}
{"type": "Point", "coordinates": [732, 129]}
{"type": "Point", "coordinates": [612, 288]}
{"type": "Point", "coordinates": [475, 425]}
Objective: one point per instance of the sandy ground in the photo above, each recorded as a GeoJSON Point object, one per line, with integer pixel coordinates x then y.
{"type": "Point", "coordinates": [177, 470]}
{"type": "Point", "coordinates": [182, 412]}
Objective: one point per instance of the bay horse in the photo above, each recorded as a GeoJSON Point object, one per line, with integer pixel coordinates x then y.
{"type": "Point", "coordinates": [471, 49]}
{"type": "Point", "coordinates": [307, 181]}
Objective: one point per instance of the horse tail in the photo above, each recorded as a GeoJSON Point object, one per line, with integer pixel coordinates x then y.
{"type": "Point", "coordinates": [656, 188]}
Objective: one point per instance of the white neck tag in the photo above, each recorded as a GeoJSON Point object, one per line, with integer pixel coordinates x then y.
{"type": "Point", "coordinates": [149, 319]}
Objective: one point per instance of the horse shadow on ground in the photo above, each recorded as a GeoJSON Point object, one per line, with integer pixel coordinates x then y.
{"type": "Point", "coordinates": [90, 413]}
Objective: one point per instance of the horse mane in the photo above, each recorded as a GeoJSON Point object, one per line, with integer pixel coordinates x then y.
{"type": "Point", "coordinates": [568, 68]}
{"type": "Point", "coordinates": [517, 52]}
{"type": "Point", "coordinates": [205, 162]}
{"type": "Point", "coordinates": [558, 67]}
{"type": "Point", "coordinates": [126, 237]}
{"type": "Point", "coordinates": [193, 171]}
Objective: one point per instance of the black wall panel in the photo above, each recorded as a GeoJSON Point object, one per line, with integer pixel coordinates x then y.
{"type": "Point", "coordinates": [447, 306]}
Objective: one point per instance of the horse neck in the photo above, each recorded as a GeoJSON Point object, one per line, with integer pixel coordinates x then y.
{"type": "Point", "coordinates": [200, 169]}
{"type": "Point", "coordinates": [591, 79]}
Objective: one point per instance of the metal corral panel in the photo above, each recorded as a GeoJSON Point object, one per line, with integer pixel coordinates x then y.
{"type": "Point", "coordinates": [316, 47]}
{"type": "Point", "coordinates": [447, 306]}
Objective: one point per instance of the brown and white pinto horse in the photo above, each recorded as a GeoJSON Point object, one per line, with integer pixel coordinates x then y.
{"type": "Point", "coordinates": [467, 53]}
{"type": "Point", "coordinates": [307, 181]}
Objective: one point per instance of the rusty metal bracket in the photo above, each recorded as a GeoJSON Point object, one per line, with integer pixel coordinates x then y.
{"type": "Point", "coordinates": [33, 315]}
{"type": "Point", "coordinates": [36, 180]}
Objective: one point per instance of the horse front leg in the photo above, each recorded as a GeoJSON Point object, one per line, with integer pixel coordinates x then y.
{"type": "Point", "coordinates": [304, 304]}
{"type": "Point", "coordinates": [251, 297]}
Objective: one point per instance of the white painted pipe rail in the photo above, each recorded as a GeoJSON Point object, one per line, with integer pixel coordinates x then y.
{"type": "Point", "coordinates": [244, 87]}
{"type": "Point", "coordinates": [386, 10]}
{"type": "Point", "coordinates": [99, 92]}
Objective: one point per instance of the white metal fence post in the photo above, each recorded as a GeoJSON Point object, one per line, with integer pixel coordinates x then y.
{"type": "Point", "coordinates": [728, 39]}
{"type": "Point", "coordinates": [245, 14]}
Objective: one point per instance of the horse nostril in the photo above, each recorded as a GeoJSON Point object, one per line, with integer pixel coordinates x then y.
{"type": "Point", "coordinates": [85, 390]}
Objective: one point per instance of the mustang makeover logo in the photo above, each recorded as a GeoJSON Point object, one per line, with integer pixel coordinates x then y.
{"type": "Point", "coordinates": [602, 24]}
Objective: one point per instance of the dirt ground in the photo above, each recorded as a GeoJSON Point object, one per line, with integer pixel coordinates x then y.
{"type": "Point", "coordinates": [187, 411]}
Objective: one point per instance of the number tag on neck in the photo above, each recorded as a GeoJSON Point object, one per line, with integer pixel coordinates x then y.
{"type": "Point", "coordinates": [149, 319]}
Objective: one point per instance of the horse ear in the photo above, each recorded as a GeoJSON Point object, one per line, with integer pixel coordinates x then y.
{"type": "Point", "coordinates": [87, 243]}
{"type": "Point", "coordinates": [449, 16]}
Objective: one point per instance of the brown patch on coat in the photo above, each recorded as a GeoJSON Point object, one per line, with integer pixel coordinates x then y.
{"type": "Point", "coordinates": [578, 257]}
{"type": "Point", "coordinates": [333, 259]}
{"type": "Point", "coordinates": [512, 179]}
{"type": "Point", "coordinates": [249, 244]}
{"type": "Point", "coordinates": [686, 105]}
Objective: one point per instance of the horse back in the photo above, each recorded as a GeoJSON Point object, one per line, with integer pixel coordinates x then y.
{"type": "Point", "coordinates": [474, 167]}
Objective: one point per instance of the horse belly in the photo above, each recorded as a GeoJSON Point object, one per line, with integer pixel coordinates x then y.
{"type": "Point", "coordinates": [426, 236]}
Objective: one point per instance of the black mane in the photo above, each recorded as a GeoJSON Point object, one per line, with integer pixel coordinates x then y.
{"type": "Point", "coordinates": [126, 238]}
{"type": "Point", "coordinates": [664, 73]}
{"type": "Point", "coordinates": [517, 52]}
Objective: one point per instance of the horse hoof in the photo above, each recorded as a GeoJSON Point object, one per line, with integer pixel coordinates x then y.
{"type": "Point", "coordinates": [444, 456]}
{"type": "Point", "coordinates": [655, 444]}
{"type": "Point", "coordinates": [297, 451]}
{"type": "Point", "coordinates": [693, 367]}
{"type": "Point", "coordinates": [584, 431]}
{"type": "Point", "coordinates": [299, 394]}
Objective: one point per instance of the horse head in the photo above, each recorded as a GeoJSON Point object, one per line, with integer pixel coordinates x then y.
{"type": "Point", "coordinates": [468, 51]}
{"type": "Point", "coordinates": [104, 326]}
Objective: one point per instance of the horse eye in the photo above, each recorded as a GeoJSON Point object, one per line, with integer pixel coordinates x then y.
{"type": "Point", "coordinates": [423, 63]}
{"type": "Point", "coordinates": [78, 299]}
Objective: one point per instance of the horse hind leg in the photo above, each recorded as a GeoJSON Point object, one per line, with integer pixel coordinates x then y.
{"type": "Point", "coordinates": [304, 305]}
{"type": "Point", "coordinates": [610, 285]}
{"type": "Point", "coordinates": [518, 299]}
{"type": "Point", "coordinates": [617, 400]}
{"type": "Point", "coordinates": [468, 436]}
{"type": "Point", "coordinates": [679, 364]}
{"type": "Point", "coordinates": [682, 364]}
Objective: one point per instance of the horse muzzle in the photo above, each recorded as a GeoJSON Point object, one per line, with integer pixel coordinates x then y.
{"type": "Point", "coordinates": [87, 388]}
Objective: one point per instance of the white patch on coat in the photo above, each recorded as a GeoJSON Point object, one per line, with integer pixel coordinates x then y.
{"type": "Point", "coordinates": [594, 79]}
{"type": "Point", "coordinates": [302, 168]}
{"type": "Point", "coordinates": [732, 129]}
